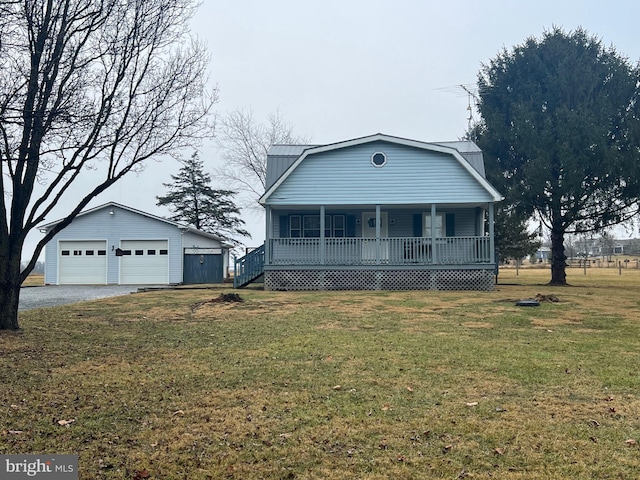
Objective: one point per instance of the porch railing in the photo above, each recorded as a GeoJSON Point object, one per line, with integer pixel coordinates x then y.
{"type": "Point", "coordinates": [383, 251]}
{"type": "Point", "coordinates": [249, 267]}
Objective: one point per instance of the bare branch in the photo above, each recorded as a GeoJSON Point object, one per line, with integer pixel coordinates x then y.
{"type": "Point", "coordinates": [244, 144]}
{"type": "Point", "coordinates": [90, 84]}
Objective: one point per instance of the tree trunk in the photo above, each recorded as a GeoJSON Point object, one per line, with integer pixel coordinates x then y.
{"type": "Point", "coordinates": [558, 258]}
{"type": "Point", "coordinates": [9, 292]}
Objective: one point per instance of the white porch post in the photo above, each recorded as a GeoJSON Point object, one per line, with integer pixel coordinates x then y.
{"type": "Point", "coordinates": [322, 238]}
{"type": "Point", "coordinates": [434, 250]}
{"type": "Point", "coordinates": [377, 234]}
{"type": "Point", "coordinates": [492, 252]}
{"type": "Point", "coordinates": [267, 236]}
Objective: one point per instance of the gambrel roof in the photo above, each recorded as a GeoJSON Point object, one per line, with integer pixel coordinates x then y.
{"type": "Point", "coordinates": [289, 157]}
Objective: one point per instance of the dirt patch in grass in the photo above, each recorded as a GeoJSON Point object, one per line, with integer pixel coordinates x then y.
{"type": "Point", "coordinates": [208, 310]}
{"type": "Point", "coordinates": [477, 325]}
{"type": "Point", "coordinates": [222, 298]}
{"type": "Point", "coordinates": [555, 322]}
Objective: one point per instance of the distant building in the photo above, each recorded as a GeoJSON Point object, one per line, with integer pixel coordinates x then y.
{"type": "Point", "coordinates": [543, 254]}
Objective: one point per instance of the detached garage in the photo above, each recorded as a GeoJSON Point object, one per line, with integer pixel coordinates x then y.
{"type": "Point", "coordinates": [116, 244]}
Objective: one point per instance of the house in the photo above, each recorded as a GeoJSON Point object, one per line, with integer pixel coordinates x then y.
{"type": "Point", "coordinates": [377, 212]}
{"type": "Point", "coordinates": [116, 244]}
{"type": "Point", "coordinates": [543, 254]}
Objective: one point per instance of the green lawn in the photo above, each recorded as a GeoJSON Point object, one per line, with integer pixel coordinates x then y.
{"type": "Point", "coordinates": [334, 385]}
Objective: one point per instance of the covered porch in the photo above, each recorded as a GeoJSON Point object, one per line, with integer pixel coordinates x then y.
{"type": "Point", "coordinates": [377, 235]}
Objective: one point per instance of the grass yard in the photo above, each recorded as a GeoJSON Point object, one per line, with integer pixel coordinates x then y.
{"type": "Point", "coordinates": [335, 385]}
{"type": "Point", "coordinates": [34, 280]}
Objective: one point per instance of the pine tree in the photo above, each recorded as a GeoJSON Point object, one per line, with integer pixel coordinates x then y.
{"type": "Point", "coordinates": [561, 119]}
{"type": "Point", "coordinates": [194, 202]}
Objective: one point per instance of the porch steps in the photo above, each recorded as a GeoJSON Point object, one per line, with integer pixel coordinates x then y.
{"type": "Point", "coordinates": [249, 268]}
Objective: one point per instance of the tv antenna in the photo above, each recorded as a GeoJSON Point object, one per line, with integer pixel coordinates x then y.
{"type": "Point", "coordinates": [471, 95]}
{"type": "Point", "coordinates": [468, 90]}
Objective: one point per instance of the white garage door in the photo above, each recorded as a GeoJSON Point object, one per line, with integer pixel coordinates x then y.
{"type": "Point", "coordinates": [144, 262]}
{"type": "Point", "coordinates": [82, 262]}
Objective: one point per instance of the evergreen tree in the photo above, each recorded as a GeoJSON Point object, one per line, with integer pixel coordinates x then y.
{"type": "Point", "coordinates": [193, 202]}
{"type": "Point", "coordinates": [561, 119]}
{"type": "Point", "coordinates": [512, 237]}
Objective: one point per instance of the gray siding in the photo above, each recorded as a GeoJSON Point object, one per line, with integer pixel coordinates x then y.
{"type": "Point", "coordinates": [277, 165]}
{"type": "Point", "coordinates": [410, 176]}
{"type": "Point", "coordinates": [281, 157]}
{"type": "Point", "coordinates": [122, 225]}
{"type": "Point", "coordinates": [470, 151]}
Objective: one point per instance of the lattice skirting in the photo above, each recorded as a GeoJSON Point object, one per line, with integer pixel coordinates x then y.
{"type": "Point", "coordinates": [379, 280]}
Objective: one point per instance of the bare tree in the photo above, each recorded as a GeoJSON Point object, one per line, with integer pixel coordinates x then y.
{"type": "Point", "coordinates": [88, 85]}
{"type": "Point", "coordinates": [607, 244]}
{"type": "Point", "coordinates": [244, 143]}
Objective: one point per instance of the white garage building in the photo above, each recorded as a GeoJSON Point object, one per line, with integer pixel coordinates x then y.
{"type": "Point", "coordinates": [116, 244]}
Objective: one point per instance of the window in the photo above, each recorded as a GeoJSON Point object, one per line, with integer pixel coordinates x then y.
{"type": "Point", "coordinates": [311, 226]}
{"type": "Point", "coordinates": [295, 227]}
{"type": "Point", "coordinates": [65, 253]}
{"type": "Point", "coordinates": [102, 252]}
{"type": "Point", "coordinates": [163, 252]}
{"type": "Point", "coordinates": [439, 225]}
{"type": "Point", "coordinates": [308, 226]}
{"type": "Point", "coordinates": [139, 252]}
{"type": "Point", "coordinates": [126, 252]}
{"type": "Point", "coordinates": [89, 252]}
{"type": "Point", "coordinates": [339, 226]}
{"type": "Point", "coordinates": [378, 159]}
{"type": "Point", "coordinates": [77, 253]}
{"type": "Point", "coordinates": [151, 252]}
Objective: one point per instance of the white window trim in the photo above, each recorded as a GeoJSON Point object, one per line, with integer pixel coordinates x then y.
{"type": "Point", "coordinates": [426, 224]}
{"type": "Point", "coordinates": [329, 225]}
{"type": "Point", "coordinates": [383, 163]}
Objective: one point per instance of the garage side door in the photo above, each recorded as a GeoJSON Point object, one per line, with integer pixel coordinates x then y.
{"type": "Point", "coordinates": [202, 268]}
{"type": "Point", "coordinates": [144, 262]}
{"type": "Point", "coordinates": [82, 262]}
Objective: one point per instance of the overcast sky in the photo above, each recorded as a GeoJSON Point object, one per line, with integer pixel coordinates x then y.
{"type": "Point", "coordinates": [342, 69]}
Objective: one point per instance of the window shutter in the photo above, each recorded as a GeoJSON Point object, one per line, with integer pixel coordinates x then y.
{"type": "Point", "coordinates": [417, 224]}
{"type": "Point", "coordinates": [351, 225]}
{"type": "Point", "coordinates": [451, 225]}
{"type": "Point", "coordinates": [284, 226]}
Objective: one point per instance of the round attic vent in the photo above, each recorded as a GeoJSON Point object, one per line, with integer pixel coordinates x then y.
{"type": "Point", "coordinates": [378, 159]}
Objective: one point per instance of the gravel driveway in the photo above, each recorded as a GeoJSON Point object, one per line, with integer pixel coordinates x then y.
{"type": "Point", "coordinates": [52, 295]}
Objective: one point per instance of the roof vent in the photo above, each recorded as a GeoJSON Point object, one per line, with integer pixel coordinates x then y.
{"type": "Point", "coordinates": [378, 159]}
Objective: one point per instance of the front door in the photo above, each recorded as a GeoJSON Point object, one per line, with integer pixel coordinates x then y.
{"type": "Point", "coordinates": [369, 237]}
